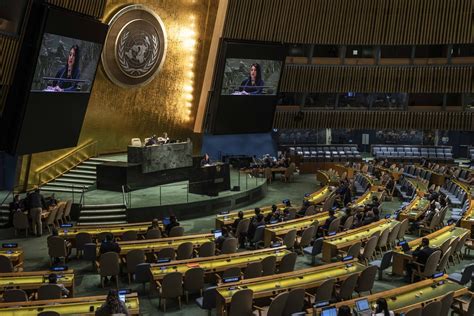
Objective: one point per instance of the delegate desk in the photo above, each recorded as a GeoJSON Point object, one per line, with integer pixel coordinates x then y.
{"type": "Point", "coordinates": [65, 306]}
{"type": "Point", "coordinates": [31, 281]}
{"type": "Point", "coordinates": [413, 211]}
{"type": "Point", "coordinates": [437, 238]}
{"type": "Point", "coordinates": [154, 245]}
{"type": "Point", "coordinates": [319, 196]}
{"type": "Point", "coordinates": [333, 244]}
{"type": "Point", "coordinates": [209, 179]}
{"type": "Point", "coordinates": [274, 170]}
{"type": "Point", "coordinates": [94, 230]}
{"type": "Point", "coordinates": [14, 254]}
{"type": "Point", "coordinates": [228, 218]}
{"type": "Point", "coordinates": [420, 186]}
{"type": "Point", "coordinates": [216, 264]}
{"type": "Point", "coordinates": [405, 298]}
{"type": "Point", "coordinates": [281, 228]}
{"type": "Point", "coordinates": [270, 286]}
{"type": "Point", "coordinates": [327, 178]}
{"type": "Point", "coordinates": [395, 175]}
{"type": "Point", "coordinates": [367, 197]}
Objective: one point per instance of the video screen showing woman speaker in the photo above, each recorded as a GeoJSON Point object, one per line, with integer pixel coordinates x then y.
{"type": "Point", "coordinates": [251, 77]}
{"type": "Point", "coordinates": [65, 65]}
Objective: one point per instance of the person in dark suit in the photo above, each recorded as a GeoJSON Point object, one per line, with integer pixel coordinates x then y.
{"type": "Point", "coordinates": [69, 71]}
{"type": "Point", "coordinates": [275, 215]}
{"type": "Point", "coordinates": [328, 221]}
{"type": "Point", "coordinates": [205, 160]}
{"type": "Point", "coordinates": [240, 216]}
{"type": "Point", "coordinates": [109, 245]}
{"type": "Point", "coordinates": [14, 206]}
{"type": "Point", "coordinates": [420, 255]}
{"type": "Point", "coordinates": [254, 83]}
{"type": "Point", "coordinates": [153, 140]}
{"type": "Point", "coordinates": [220, 240]}
{"type": "Point", "coordinates": [173, 223]}
{"type": "Point", "coordinates": [255, 221]}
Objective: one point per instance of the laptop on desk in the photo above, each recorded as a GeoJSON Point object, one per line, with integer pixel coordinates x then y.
{"type": "Point", "coordinates": [405, 247]}
{"type": "Point", "coordinates": [362, 307]}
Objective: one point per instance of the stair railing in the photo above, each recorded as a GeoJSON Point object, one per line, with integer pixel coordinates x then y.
{"type": "Point", "coordinates": [126, 196]}
{"type": "Point", "coordinates": [82, 199]}
{"type": "Point", "coordinates": [65, 163]}
{"type": "Point", "coordinates": [9, 193]}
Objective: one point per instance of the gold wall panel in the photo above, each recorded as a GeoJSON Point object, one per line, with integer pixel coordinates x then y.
{"type": "Point", "coordinates": [364, 22]}
{"type": "Point", "coordinates": [169, 102]}
{"type": "Point", "coordinates": [410, 79]}
{"type": "Point", "coordinates": [460, 121]}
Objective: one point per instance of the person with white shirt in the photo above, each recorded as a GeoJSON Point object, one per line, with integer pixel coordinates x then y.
{"type": "Point", "coordinates": [381, 308]}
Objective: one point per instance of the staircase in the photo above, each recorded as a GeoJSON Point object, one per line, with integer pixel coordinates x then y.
{"type": "Point", "coordinates": [103, 214]}
{"type": "Point", "coordinates": [82, 176]}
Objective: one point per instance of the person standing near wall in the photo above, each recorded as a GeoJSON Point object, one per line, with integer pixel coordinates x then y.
{"type": "Point", "coordinates": [36, 203]}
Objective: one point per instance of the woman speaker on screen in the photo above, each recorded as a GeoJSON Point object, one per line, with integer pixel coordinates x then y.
{"type": "Point", "coordinates": [70, 72]}
{"type": "Point", "coordinates": [254, 83]}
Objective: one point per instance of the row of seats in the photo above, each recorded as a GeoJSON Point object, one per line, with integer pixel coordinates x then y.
{"type": "Point", "coordinates": [455, 193]}
{"type": "Point", "coordinates": [417, 172]}
{"type": "Point", "coordinates": [413, 153]}
{"type": "Point", "coordinates": [458, 213]}
{"type": "Point", "coordinates": [327, 153]}
{"type": "Point", "coordinates": [406, 189]}
{"type": "Point", "coordinates": [361, 184]}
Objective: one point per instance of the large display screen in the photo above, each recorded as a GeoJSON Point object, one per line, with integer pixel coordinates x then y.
{"type": "Point", "coordinates": [53, 81]}
{"type": "Point", "coordinates": [251, 77]}
{"type": "Point", "coordinates": [246, 81]}
{"type": "Point", "coordinates": [65, 64]}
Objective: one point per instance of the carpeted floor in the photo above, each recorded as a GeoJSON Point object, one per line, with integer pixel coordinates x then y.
{"type": "Point", "coordinates": [87, 282]}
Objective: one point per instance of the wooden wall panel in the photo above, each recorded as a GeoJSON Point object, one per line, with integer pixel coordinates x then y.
{"type": "Point", "coordinates": [463, 121]}
{"type": "Point", "coordinates": [410, 79]}
{"type": "Point", "coordinates": [93, 8]}
{"type": "Point", "coordinates": [389, 22]}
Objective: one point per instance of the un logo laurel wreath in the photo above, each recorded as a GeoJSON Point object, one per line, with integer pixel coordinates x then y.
{"type": "Point", "coordinates": [123, 60]}
{"type": "Point", "coordinates": [135, 47]}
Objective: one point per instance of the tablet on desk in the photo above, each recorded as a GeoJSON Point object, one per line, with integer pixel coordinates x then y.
{"type": "Point", "coordinates": [231, 279]}
{"type": "Point", "coordinates": [405, 246]}
{"type": "Point", "coordinates": [166, 221]}
{"type": "Point", "coordinates": [10, 245]}
{"type": "Point", "coordinates": [362, 305]}
{"type": "Point", "coordinates": [217, 233]}
{"type": "Point", "coordinates": [329, 311]}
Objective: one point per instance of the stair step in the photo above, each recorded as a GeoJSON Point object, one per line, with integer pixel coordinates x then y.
{"type": "Point", "coordinates": [85, 218]}
{"type": "Point", "coordinates": [99, 159]}
{"type": "Point", "coordinates": [64, 185]}
{"type": "Point", "coordinates": [79, 176]}
{"type": "Point", "coordinates": [102, 223]}
{"type": "Point", "coordinates": [119, 211]}
{"type": "Point", "coordinates": [85, 167]}
{"type": "Point", "coordinates": [84, 172]}
{"type": "Point", "coordinates": [78, 181]}
{"type": "Point", "coordinates": [91, 163]}
{"type": "Point", "coordinates": [59, 189]}
{"type": "Point", "coordinates": [102, 206]}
